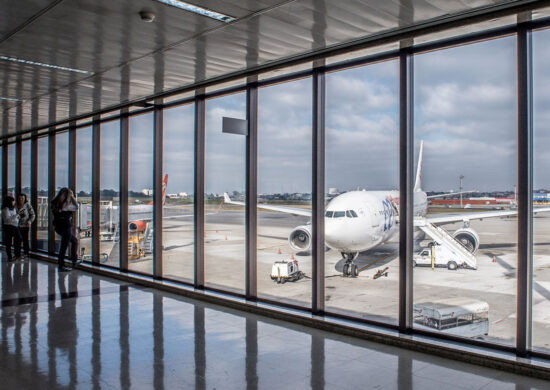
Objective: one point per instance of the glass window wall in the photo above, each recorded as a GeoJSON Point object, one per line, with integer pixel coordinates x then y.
{"type": "Point", "coordinates": [109, 194]}
{"type": "Point", "coordinates": [466, 115]}
{"type": "Point", "coordinates": [284, 181]}
{"type": "Point", "coordinates": [224, 172]}
{"type": "Point", "coordinates": [178, 197]}
{"type": "Point", "coordinates": [140, 193]}
{"type": "Point", "coordinates": [362, 192]}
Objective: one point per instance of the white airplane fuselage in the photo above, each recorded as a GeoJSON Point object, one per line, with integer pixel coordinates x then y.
{"type": "Point", "coordinates": [372, 222]}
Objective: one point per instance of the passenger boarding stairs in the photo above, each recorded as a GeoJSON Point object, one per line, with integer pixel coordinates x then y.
{"type": "Point", "coordinates": [148, 244]}
{"type": "Point", "coordinates": [442, 237]}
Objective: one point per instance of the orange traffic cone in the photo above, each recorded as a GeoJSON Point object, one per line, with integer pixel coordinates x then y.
{"type": "Point", "coordinates": [216, 230]}
{"type": "Point", "coordinates": [279, 251]}
{"type": "Point", "coordinates": [494, 259]}
{"type": "Point", "coordinates": [226, 237]}
{"type": "Point", "coordinates": [292, 256]}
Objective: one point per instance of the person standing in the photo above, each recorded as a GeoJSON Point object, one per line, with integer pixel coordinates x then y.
{"type": "Point", "coordinates": [10, 227]}
{"type": "Point", "coordinates": [63, 206]}
{"type": "Point", "coordinates": [26, 218]}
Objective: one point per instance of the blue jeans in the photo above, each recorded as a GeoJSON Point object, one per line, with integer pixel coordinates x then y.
{"type": "Point", "coordinates": [66, 238]}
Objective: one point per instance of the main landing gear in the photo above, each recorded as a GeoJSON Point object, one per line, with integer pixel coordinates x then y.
{"type": "Point", "coordinates": [350, 268]}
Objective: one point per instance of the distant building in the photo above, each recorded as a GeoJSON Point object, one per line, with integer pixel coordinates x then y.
{"type": "Point", "coordinates": [147, 192]}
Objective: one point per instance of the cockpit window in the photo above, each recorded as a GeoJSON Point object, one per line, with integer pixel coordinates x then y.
{"type": "Point", "coordinates": [348, 214]}
{"type": "Point", "coordinates": [339, 214]}
{"type": "Point", "coordinates": [353, 214]}
{"type": "Point", "coordinates": [328, 214]}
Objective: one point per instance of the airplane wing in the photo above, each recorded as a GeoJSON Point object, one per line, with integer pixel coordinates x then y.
{"type": "Point", "coordinates": [464, 217]}
{"type": "Point", "coordinates": [449, 194]}
{"type": "Point", "coordinates": [281, 209]}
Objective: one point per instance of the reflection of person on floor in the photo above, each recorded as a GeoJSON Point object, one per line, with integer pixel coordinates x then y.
{"type": "Point", "coordinates": [10, 227]}
{"type": "Point", "coordinates": [62, 328]}
{"type": "Point", "coordinates": [63, 206]}
{"type": "Point", "coordinates": [15, 285]}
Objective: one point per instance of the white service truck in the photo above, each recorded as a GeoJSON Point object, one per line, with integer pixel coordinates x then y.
{"type": "Point", "coordinates": [437, 256]}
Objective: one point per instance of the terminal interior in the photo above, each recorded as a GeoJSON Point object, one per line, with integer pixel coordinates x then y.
{"type": "Point", "coordinates": [266, 188]}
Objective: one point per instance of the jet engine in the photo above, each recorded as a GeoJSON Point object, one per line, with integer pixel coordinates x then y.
{"type": "Point", "coordinates": [468, 237]}
{"type": "Point", "coordinates": [300, 238]}
{"type": "Point", "coordinates": [137, 226]}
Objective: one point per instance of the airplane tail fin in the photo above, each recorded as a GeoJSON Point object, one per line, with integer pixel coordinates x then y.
{"type": "Point", "coordinates": [226, 198]}
{"type": "Point", "coordinates": [164, 185]}
{"type": "Point", "coordinates": [418, 181]}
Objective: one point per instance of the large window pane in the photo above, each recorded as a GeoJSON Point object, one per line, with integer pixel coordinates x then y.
{"type": "Point", "coordinates": [541, 186]}
{"type": "Point", "coordinates": [84, 188]}
{"type": "Point", "coordinates": [465, 112]}
{"type": "Point", "coordinates": [26, 168]}
{"type": "Point", "coordinates": [11, 170]}
{"type": "Point", "coordinates": [284, 180]}
{"type": "Point", "coordinates": [224, 172]}
{"type": "Point", "coordinates": [109, 195]}
{"type": "Point", "coordinates": [177, 210]}
{"type": "Point", "coordinates": [362, 183]}
{"type": "Point", "coordinates": [61, 169]}
{"type": "Point", "coordinates": [140, 193]}
{"type": "Point", "coordinates": [42, 191]}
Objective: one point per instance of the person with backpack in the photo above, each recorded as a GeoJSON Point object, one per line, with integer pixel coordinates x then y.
{"type": "Point", "coordinates": [63, 206]}
{"type": "Point", "coordinates": [10, 227]}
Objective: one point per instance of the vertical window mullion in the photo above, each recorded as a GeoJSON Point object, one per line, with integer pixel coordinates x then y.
{"type": "Point", "coordinates": [18, 160]}
{"type": "Point", "coordinates": [251, 216]}
{"type": "Point", "coordinates": [406, 204]}
{"type": "Point", "coordinates": [51, 190]}
{"type": "Point", "coordinates": [96, 178]}
{"type": "Point", "coordinates": [525, 190]}
{"type": "Point", "coordinates": [318, 193]}
{"type": "Point", "coordinates": [198, 217]}
{"type": "Point", "coordinates": [157, 192]}
{"type": "Point", "coordinates": [34, 189]}
{"type": "Point", "coordinates": [123, 191]}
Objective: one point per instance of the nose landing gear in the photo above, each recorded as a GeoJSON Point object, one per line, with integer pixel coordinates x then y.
{"type": "Point", "coordinates": [350, 268]}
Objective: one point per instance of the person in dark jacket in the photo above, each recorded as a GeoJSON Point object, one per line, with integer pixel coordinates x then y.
{"type": "Point", "coordinates": [26, 218]}
{"type": "Point", "coordinates": [63, 206]}
{"type": "Point", "coordinates": [10, 227]}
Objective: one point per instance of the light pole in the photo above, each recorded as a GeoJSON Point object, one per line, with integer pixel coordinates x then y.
{"type": "Point", "coordinates": [460, 190]}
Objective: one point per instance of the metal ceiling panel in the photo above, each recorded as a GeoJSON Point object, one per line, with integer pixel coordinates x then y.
{"type": "Point", "coordinates": [130, 59]}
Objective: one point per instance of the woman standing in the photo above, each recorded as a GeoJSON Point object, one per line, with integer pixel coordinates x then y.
{"type": "Point", "coordinates": [10, 227]}
{"type": "Point", "coordinates": [63, 206]}
{"type": "Point", "coordinates": [26, 218]}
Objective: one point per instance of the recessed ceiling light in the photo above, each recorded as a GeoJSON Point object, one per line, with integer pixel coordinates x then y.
{"type": "Point", "coordinates": [198, 10]}
{"type": "Point", "coordinates": [10, 99]}
{"type": "Point", "coordinates": [20, 61]}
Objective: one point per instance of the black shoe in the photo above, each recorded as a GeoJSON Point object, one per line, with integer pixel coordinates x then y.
{"type": "Point", "coordinates": [63, 269]}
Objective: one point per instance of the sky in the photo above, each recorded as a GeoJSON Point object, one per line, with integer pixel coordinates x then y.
{"type": "Point", "coordinates": [465, 111]}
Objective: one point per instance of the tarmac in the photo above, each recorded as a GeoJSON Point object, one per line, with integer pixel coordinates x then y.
{"type": "Point", "coordinates": [365, 297]}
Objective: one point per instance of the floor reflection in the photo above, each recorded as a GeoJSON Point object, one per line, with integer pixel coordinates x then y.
{"type": "Point", "coordinates": [83, 331]}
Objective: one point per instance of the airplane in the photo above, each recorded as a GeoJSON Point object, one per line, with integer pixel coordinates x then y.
{"type": "Point", "coordinates": [357, 221]}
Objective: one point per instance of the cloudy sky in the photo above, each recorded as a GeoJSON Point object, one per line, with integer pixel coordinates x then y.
{"type": "Point", "coordinates": [465, 111]}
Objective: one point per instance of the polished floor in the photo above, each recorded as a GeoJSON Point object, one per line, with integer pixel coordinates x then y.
{"type": "Point", "coordinates": [81, 331]}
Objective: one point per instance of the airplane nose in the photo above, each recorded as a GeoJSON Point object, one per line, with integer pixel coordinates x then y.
{"type": "Point", "coordinates": [335, 234]}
